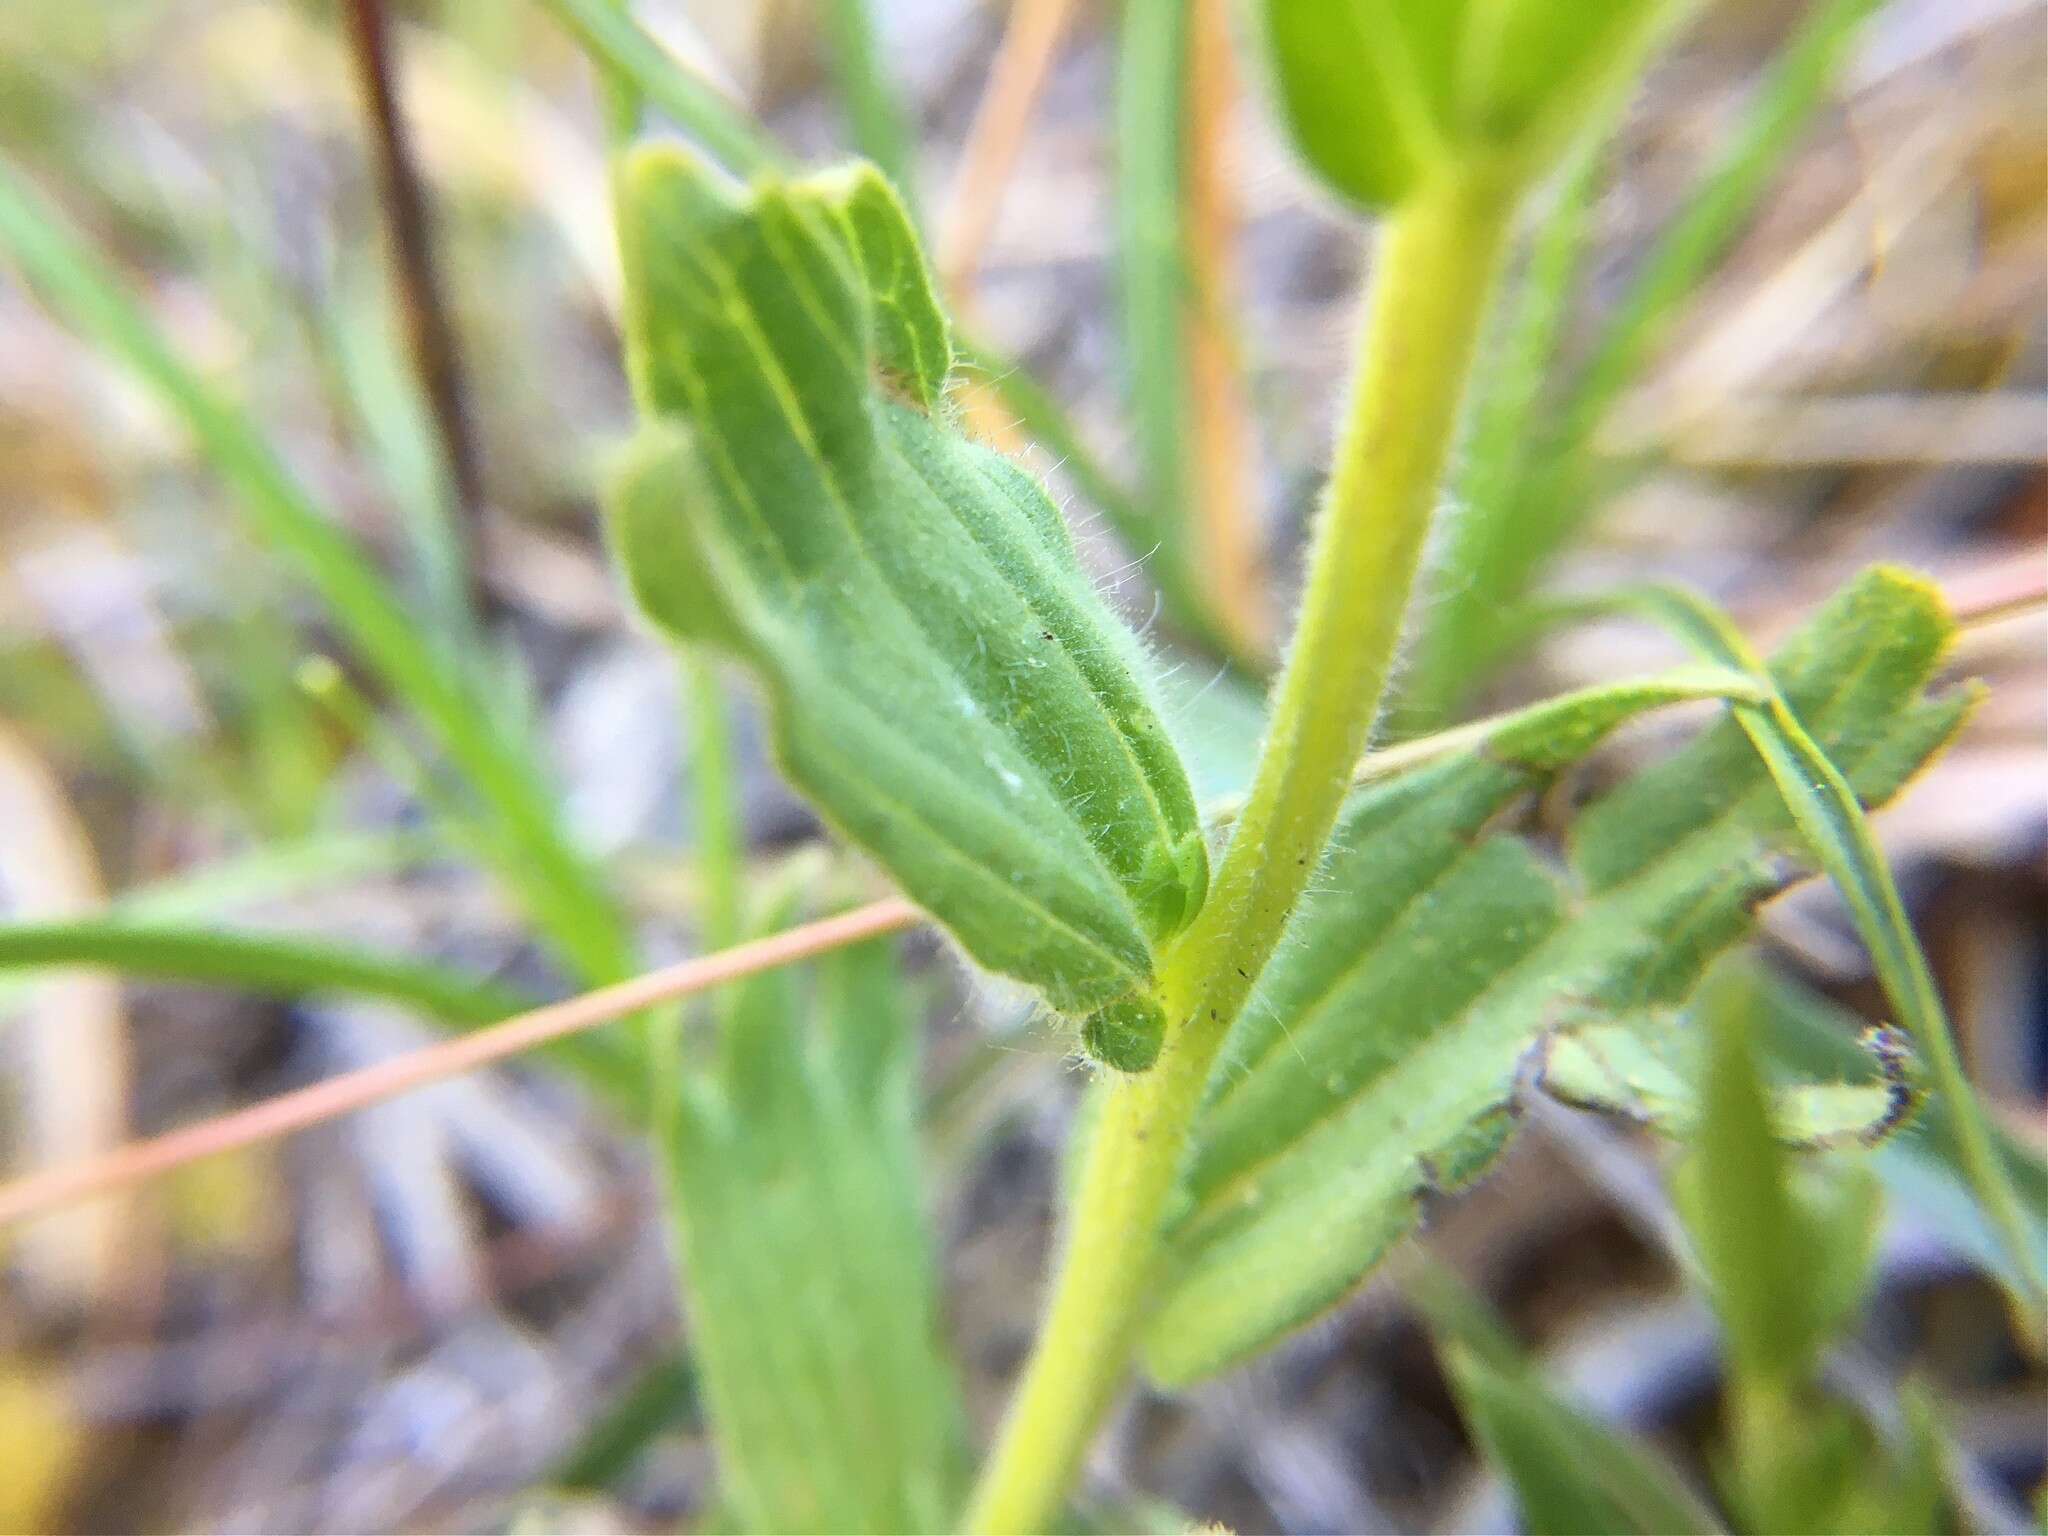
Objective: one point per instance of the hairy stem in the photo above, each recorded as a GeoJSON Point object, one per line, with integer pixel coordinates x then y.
{"type": "Point", "coordinates": [1434, 271]}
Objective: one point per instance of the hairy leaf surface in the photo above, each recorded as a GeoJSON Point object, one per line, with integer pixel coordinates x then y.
{"type": "Point", "coordinates": [944, 684]}
{"type": "Point", "coordinates": [807, 1267]}
{"type": "Point", "coordinates": [1380, 1055]}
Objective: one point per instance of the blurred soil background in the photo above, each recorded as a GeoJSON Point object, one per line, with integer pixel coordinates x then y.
{"type": "Point", "coordinates": [409, 1318]}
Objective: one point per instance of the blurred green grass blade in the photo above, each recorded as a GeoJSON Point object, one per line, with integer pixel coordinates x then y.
{"type": "Point", "coordinates": [273, 872]}
{"type": "Point", "coordinates": [197, 898]}
{"type": "Point", "coordinates": [562, 892]}
{"type": "Point", "coordinates": [1570, 1471]}
{"type": "Point", "coordinates": [1151, 134]}
{"type": "Point", "coordinates": [1555, 487]}
{"type": "Point", "coordinates": [1455, 1313]}
{"type": "Point", "coordinates": [1572, 1475]}
{"type": "Point", "coordinates": [1441, 949]}
{"type": "Point", "coordinates": [280, 965]}
{"type": "Point", "coordinates": [665, 1400]}
{"type": "Point", "coordinates": [1734, 1193]}
{"type": "Point", "coordinates": [171, 951]}
{"type": "Point", "coordinates": [1714, 213]}
{"type": "Point", "coordinates": [1822, 801]}
{"type": "Point", "coordinates": [383, 395]}
{"type": "Point", "coordinates": [807, 1268]}
{"type": "Point", "coordinates": [1787, 1255]}
{"type": "Point", "coordinates": [717, 827]}
{"type": "Point", "coordinates": [1499, 447]}
{"type": "Point", "coordinates": [622, 47]}
{"type": "Point", "coordinates": [874, 106]}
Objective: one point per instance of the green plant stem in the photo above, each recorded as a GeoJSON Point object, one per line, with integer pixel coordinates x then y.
{"type": "Point", "coordinates": [1434, 271]}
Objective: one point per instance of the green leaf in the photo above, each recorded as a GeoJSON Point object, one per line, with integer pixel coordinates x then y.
{"type": "Point", "coordinates": [1922, 1168]}
{"type": "Point", "coordinates": [808, 1272]}
{"type": "Point", "coordinates": [943, 683]}
{"type": "Point", "coordinates": [1642, 1069]}
{"type": "Point", "coordinates": [1381, 1054]}
{"type": "Point", "coordinates": [1572, 1474]}
{"type": "Point", "coordinates": [1380, 94]}
{"type": "Point", "coordinates": [1827, 810]}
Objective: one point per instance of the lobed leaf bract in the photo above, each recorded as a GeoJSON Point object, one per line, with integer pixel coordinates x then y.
{"type": "Point", "coordinates": [943, 683]}
{"type": "Point", "coordinates": [1441, 955]}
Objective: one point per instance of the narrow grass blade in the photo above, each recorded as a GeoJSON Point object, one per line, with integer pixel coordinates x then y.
{"type": "Point", "coordinates": [1572, 1475]}
{"type": "Point", "coordinates": [549, 1024]}
{"type": "Point", "coordinates": [549, 875]}
{"type": "Point", "coordinates": [1554, 487]}
{"type": "Point", "coordinates": [874, 107]}
{"type": "Point", "coordinates": [1714, 213]}
{"type": "Point", "coordinates": [290, 967]}
{"type": "Point", "coordinates": [666, 1399]}
{"type": "Point", "coordinates": [1151, 112]}
{"type": "Point", "coordinates": [623, 47]}
{"type": "Point", "coordinates": [1570, 1471]}
{"type": "Point", "coordinates": [274, 872]}
{"type": "Point", "coordinates": [1735, 1194]}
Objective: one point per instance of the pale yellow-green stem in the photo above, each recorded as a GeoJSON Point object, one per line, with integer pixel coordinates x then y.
{"type": "Point", "coordinates": [1435, 266]}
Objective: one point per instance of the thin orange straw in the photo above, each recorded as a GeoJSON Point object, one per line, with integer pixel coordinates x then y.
{"type": "Point", "coordinates": [351, 1091]}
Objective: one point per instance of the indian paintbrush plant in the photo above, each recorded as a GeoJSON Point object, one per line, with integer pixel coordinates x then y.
{"type": "Point", "coordinates": [954, 700]}
{"type": "Point", "coordinates": [1307, 1007]}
